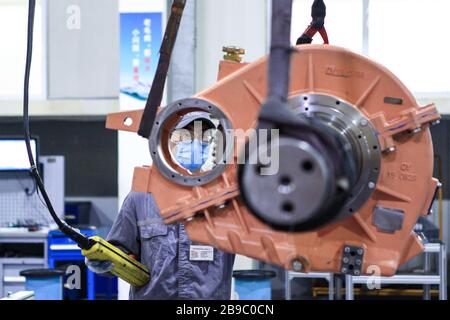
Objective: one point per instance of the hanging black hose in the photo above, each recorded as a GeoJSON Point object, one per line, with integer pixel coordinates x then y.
{"type": "Point", "coordinates": [80, 239]}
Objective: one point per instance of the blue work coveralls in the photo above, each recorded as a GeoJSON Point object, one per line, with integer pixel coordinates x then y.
{"type": "Point", "coordinates": [165, 249]}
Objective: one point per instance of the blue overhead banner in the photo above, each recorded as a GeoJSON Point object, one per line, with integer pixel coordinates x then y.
{"type": "Point", "coordinates": [140, 41]}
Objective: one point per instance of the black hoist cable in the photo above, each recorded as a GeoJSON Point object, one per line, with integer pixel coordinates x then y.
{"type": "Point", "coordinates": [157, 90]}
{"type": "Point", "coordinates": [83, 241]}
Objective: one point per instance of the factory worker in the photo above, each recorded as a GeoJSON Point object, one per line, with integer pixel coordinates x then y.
{"type": "Point", "coordinates": [193, 143]}
{"type": "Point", "coordinates": [166, 249]}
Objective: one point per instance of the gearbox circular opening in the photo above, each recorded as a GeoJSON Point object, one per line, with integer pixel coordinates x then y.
{"type": "Point", "coordinates": [190, 142]}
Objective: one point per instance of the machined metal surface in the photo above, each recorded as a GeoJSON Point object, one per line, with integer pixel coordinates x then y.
{"type": "Point", "coordinates": [296, 196]}
{"type": "Point", "coordinates": [302, 184]}
{"type": "Point", "coordinates": [159, 140]}
{"type": "Point", "coordinates": [362, 136]}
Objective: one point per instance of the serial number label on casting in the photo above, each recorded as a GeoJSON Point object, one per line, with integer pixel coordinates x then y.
{"type": "Point", "coordinates": [247, 309]}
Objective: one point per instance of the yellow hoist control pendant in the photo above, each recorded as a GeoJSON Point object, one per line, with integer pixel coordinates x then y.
{"type": "Point", "coordinates": [125, 267]}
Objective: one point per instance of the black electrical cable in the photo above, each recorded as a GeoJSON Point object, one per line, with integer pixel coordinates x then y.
{"type": "Point", "coordinates": [76, 236]}
{"type": "Point", "coordinates": [26, 189]}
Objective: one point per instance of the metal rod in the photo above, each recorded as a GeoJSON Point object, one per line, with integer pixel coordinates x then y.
{"type": "Point", "coordinates": [443, 273]}
{"type": "Point", "coordinates": [287, 287]}
{"type": "Point", "coordinates": [440, 198]}
{"type": "Point", "coordinates": [338, 285]}
{"type": "Point", "coordinates": [349, 295]}
{"type": "Point", "coordinates": [331, 287]}
{"type": "Point", "coordinates": [427, 287]}
{"type": "Point", "coordinates": [402, 279]}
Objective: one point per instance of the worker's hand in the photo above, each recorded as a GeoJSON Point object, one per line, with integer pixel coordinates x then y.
{"type": "Point", "coordinates": [99, 267]}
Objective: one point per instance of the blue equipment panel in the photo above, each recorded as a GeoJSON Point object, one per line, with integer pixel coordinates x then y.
{"type": "Point", "coordinates": [64, 252]}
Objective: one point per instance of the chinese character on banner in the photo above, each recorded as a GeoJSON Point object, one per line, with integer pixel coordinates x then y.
{"type": "Point", "coordinates": [140, 37]}
{"type": "Point", "coordinates": [136, 49]}
{"type": "Point", "coordinates": [148, 45]}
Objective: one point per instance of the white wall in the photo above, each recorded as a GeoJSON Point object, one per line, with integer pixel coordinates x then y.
{"type": "Point", "coordinates": [415, 49]}
{"type": "Point", "coordinates": [240, 23]}
{"type": "Point", "coordinates": [13, 16]}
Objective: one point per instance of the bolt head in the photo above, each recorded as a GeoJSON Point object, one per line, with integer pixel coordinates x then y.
{"type": "Point", "coordinates": [360, 252]}
{"type": "Point", "coordinates": [371, 185]}
{"type": "Point", "coordinates": [417, 130]}
{"type": "Point", "coordinates": [435, 123]}
{"type": "Point", "coordinates": [364, 122]}
{"type": "Point", "coordinates": [390, 150]}
{"type": "Point", "coordinates": [297, 266]}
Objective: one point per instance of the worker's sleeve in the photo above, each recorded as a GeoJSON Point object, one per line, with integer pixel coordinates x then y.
{"type": "Point", "coordinates": [124, 232]}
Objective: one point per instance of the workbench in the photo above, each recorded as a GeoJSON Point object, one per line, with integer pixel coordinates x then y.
{"type": "Point", "coordinates": [20, 250]}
